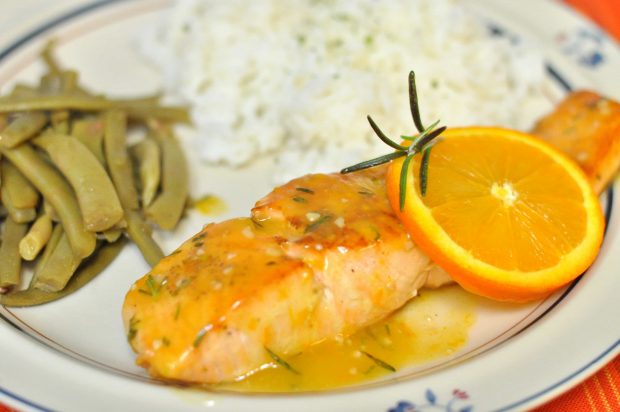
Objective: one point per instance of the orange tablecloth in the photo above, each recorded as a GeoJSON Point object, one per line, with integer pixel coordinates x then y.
{"type": "Point", "coordinates": [600, 392]}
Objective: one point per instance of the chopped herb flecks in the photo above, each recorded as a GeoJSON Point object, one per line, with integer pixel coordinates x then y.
{"type": "Point", "coordinates": [165, 341]}
{"type": "Point", "coordinates": [299, 199]}
{"type": "Point", "coordinates": [305, 190]}
{"type": "Point", "coordinates": [177, 312]}
{"type": "Point", "coordinates": [153, 286]}
{"type": "Point", "coordinates": [314, 225]}
{"type": "Point", "coordinates": [379, 362]}
{"type": "Point", "coordinates": [133, 329]}
{"type": "Point", "coordinates": [281, 362]}
{"type": "Point", "coordinates": [199, 337]}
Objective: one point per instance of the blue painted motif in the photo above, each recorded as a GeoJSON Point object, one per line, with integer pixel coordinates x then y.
{"type": "Point", "coordinates": [584, 45]}
{"type": "Point", "coordinates": [432, 403]}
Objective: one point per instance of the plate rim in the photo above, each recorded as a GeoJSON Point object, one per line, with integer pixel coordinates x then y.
{"type": "Point", "coordinates": [89, 7]}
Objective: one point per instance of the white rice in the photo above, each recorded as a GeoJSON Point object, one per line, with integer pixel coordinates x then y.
{"type": "Point", "coordinates": [297, 78]}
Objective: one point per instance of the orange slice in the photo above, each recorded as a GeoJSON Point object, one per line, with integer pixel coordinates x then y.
{"type": "Point", "coordinates": [505, 214]}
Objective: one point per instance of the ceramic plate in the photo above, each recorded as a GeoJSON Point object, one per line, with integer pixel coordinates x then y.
{"type": "Point", "coordinates": [73, 355]}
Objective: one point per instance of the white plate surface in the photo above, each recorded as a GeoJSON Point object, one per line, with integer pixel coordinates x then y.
{"type": "Point", "coordinates": [72, 354]}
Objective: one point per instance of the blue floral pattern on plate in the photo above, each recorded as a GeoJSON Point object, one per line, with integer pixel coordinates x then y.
{"type": "Point", "coordinates": [584, 45]}
{"type": "Point", "coordinates": [432, 403]}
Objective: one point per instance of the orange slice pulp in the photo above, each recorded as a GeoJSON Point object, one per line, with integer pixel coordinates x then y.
{"type": "Point", "coordinates": [505, 214]}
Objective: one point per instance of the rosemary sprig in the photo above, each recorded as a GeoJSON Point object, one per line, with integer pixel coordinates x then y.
{"type": "Point", "coordinates": [420, 143]}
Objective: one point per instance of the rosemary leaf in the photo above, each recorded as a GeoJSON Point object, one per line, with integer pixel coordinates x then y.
{"type": "Point", "coordinates": [299, 199]}
{"type": "Point", "coordinates": [373, 162]}
{"type": "Point", "coordinates": [379, 362]}
{"type": "Point", "coordinates": [413, 103]}
{"type": "Point", "coordinates": [421, 143]}
{"type": "Point", "coordinates": [403, 181]}
{"type": "Point", "coordinates": [281, 362]}
{"type": "Point", "coordinates": [424, 170]}
{"type": "Point", "coordinates": [305, 190]}
{"type": "Point", "coordinates": [383, 137]}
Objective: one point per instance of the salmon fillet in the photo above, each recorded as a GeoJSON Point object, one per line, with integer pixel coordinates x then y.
{"type": "Point", "coordinates": [586, 127]}
{"type": "Point", "coordinates": [320, 256]}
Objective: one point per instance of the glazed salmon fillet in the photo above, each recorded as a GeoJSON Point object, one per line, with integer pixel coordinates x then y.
{"type": "Point", "coordinates": [586, 127]}
{"type": "Point", "coordinates": [320, 256]}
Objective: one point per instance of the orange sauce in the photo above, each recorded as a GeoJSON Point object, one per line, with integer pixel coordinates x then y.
{"type": "Point", "coordinates": [210, 205]}
{"type": "Point", "coordinates": [431, 326]}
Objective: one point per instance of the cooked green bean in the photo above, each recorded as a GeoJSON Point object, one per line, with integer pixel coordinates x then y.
{"type": "Point", "coordinates": [60, 121]}
{"type": "Point", "coordinates": [111, 235]}
{"type": "Point", "coordinates": [167, 209]}
{"type": "Point", "coordinates": [18, 195]}
{"type": "Point", "coordinates": [49, 84]}
{"type": "Point", "coordinates": [48, 57]}
{"type": "Point", "coordinates": [140, 232]}
{"type": "Point", "coordinates": [59, 267]}
{"type": "Point", "coordinates": [95, 193]}
{"type": "Point", "coordinates": [23, 194]}
{"type": "Point", "coordinates": [140, 108]}
{"type": "Point", "coordinates": [87, 271]}
{"type": "Point", "coordinates": [22, 90]}
{"type": "Point", "coordinates": [19, 215]}
{"type": "Point", "coordinates": [49, 210]}
{"type": "Point", "coordinates": [23, 127]}
{"type": "Point", "coordinates": [117, 158]}
{"type": "Point", "coordinates": [10, 261]}
{"type": "Point", "coordinates": [148, 158]}
{"type": "Point", "coordinates": [57, 192]}
{"type": "Point", "coordinates": [69, 81]}
{"type": "Point", "coordinates": [90, 132]}
{"type": "Point", "coordinates": [36, 238]}
{"type": "Point", "coordinates": [47, 252]}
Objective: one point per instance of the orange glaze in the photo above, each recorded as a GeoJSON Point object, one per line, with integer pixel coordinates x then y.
{"type": "Point", "coordinates": [320, 256]}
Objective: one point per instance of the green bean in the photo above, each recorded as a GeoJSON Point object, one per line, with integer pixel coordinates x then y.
{"type": "Point", "coordinates": [111, 235]}
{"type": "Point", "coordinates": [23, 194]}
{"type": "Point", "coordinates": [18, 195]}
{"type": "Point", "coordinates": [57, 192]}
{"type": "Point", "coordinates": [140, 233]}
{"type": "Point", "coordinates": [87, 271]}
{"type": "Point", "coordinates": [140, 108]}
{"type": "Point", "coordinates": [20, 215]}
{"type": "Point", "coordinates": [36, 238]}
{"type": "Point", "coordinates": [168, 207]}
{"type": "Point", "coordinates": [117, 158]}
{"type": "Point", "coordinates": [59, 267]}
{"type": "Point", "coordinates": [60, 121]}
{"type": "Point", "coordinates": [22, 90]}
{"type": "Point", "coordinates": [95, 193]}
{"type": "Point", "coordinates": [69, 81]}
{"type": "Point", "coordinates": [47, 252]}
{"type": "Point", "coordinates": [23, 127]}
{"type": "Point", "coordinates": [148, 157]}
{"type": "Point", "coordinates": [49, 210]}
{"type": "Point", "coordinates": [90, 132]}
{"type": "Point", "coordinates": [48, 57]}
{"type": "Point", "coordinates": [10, 261]}
{"type": "Point", "coordinates": [49, 84]}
